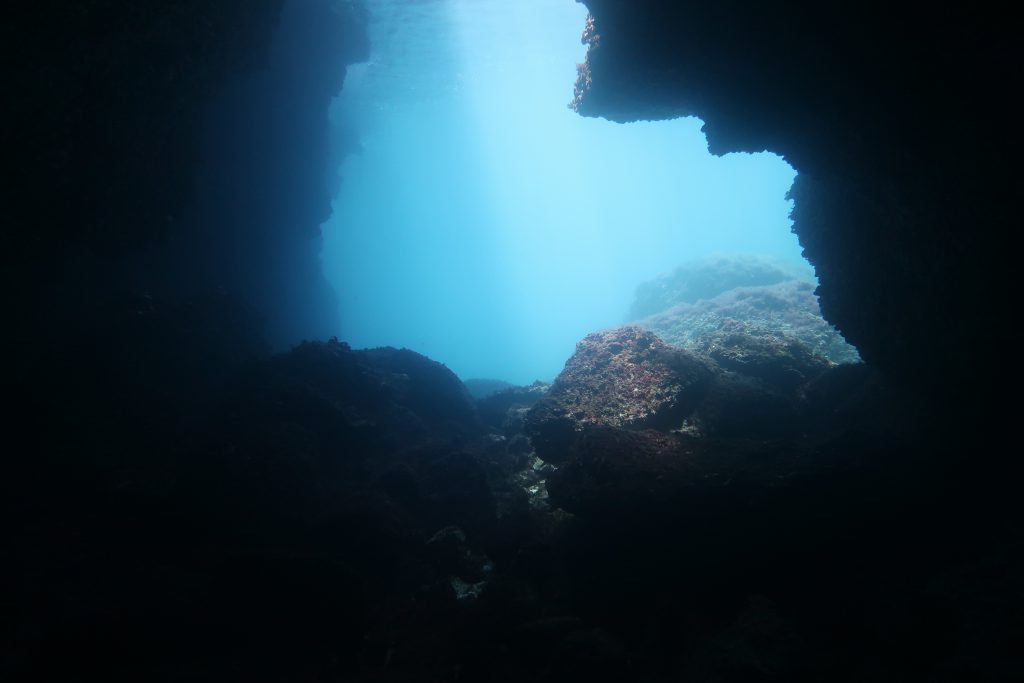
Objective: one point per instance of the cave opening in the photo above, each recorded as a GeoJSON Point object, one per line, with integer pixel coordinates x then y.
{"type": "Point", "coordinates": [487, 225]}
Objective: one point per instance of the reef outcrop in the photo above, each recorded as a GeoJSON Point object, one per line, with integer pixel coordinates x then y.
{"type": "Point", "coordinates": [625, 377]}
{"type": "Point", "coordinates": [706, 279]}
{"type": "Point", "coordinates": [787, 310]}
{"type": "Point", "coordinates": [628, 379]}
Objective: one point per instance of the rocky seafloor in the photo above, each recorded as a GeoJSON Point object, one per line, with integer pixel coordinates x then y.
{"type": "Point", "coordinates": [702, 303]}
{"type": "Point", "coordinates": [653, 515]}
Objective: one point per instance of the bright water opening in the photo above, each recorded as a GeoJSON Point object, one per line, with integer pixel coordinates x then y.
{"type": "Point", "coordinates": [487, 225]}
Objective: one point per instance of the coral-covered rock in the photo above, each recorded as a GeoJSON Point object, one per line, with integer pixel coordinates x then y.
{"type": "Point", "coordinates": [625, 377]}
{"type": "Point", "coordinates": [634, 424]}
{"type": "Point", "coordinates": [782, 362]}
{"type": "Point", "coordinates": [705, 279]}
{"type": "Point", "coordinates": [746, 386]}
{"type": "Point", "coordinates": [786, 310]}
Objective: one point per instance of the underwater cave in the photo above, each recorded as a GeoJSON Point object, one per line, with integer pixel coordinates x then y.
{"type": "Point", "coordinates": [476, 340]}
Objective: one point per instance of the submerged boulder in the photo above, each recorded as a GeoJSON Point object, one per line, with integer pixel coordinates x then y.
{"type": "Point", "coordinates": [623, 378]}
{"type": "Point", "coordinates": [633, 422]}
{"type": "Point", "coordinates": [740, 385]}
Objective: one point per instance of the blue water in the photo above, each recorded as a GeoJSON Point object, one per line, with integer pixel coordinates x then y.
{"type": "Point", "coordinates": [487, 225]}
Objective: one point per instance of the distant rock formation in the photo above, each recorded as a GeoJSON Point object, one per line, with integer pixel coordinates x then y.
{"type": "Point", "coordinates": [778, 314]}
{"type": "Point", "coordinates": [707, 278]}
{"type": "Point", "coordinates": [701, 303]}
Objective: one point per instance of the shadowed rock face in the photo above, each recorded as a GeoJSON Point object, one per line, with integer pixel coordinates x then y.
{"type": "Point", "coordinates": [779, 361]}
{"type": "Point", "coordinates": [178, 148]}
{"type": "Point", "coordinates": [706, 279]}
{"type": "Point", "coordinates": [901, 194]}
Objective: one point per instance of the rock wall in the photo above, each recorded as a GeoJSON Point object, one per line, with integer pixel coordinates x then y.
{"type": "Point", "coordinates": [894, 119]}
{"type": "Point", "coordinates": [173, 150]}
{"type": "Point", "coordinates": [103, 111]}
{"type": "Point", "coordinates": [266, 178]}
{"type": "Point", "coordinates": [169, 172]}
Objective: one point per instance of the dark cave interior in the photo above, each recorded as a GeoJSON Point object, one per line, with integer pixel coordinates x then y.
{"type": "Point", "coordinates": [185, 505]}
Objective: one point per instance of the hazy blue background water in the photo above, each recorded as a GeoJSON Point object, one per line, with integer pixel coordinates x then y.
{"type": "Point", "coordinates": [488, 226]}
